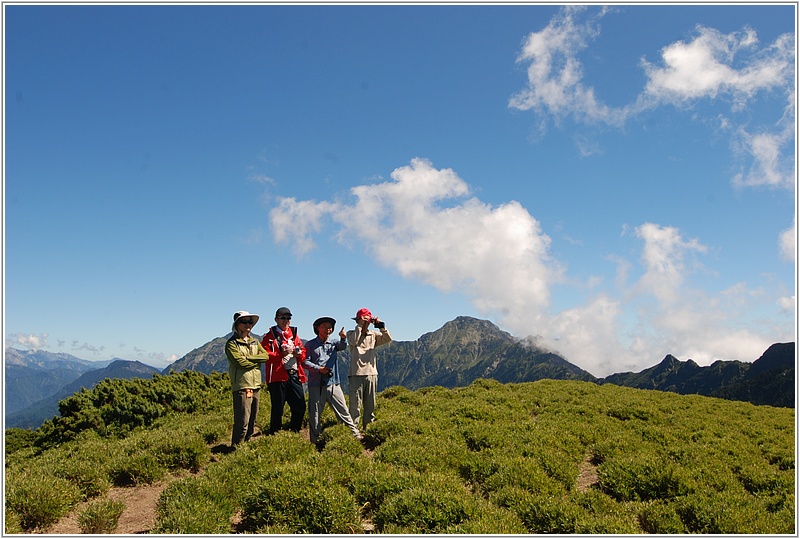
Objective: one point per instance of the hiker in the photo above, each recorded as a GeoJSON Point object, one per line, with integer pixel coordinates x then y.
{"type": "Point", "coordinates": [245, 354]}
{"type": "Point", "coordinates": [363, 372]}
{"type": "Point", "coordinates": [285, 375]}
{"type": "Point", "coordinates": [322, 372]}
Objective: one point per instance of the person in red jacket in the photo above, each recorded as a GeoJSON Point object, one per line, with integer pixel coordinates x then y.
{"type": "Point", "coordinates": [285, 374]}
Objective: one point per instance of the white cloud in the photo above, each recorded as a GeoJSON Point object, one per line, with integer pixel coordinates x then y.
{"type": "Point", "coordinates": [714, 64]}
{"type": "Point", "coordinates": [424, 225]}
{"type": "Point", "coordinates": [788, 242]}
{"type": "Point", "coordinates": [295, 221]}
{"type": "Point", "coordinates": [732, 69]}
{"type": "Point", "coordinates": [659, 313]}
{"type": "Point", "coordinates": [734, 66]}
{"type": "Point", "coordinates": [765, 149]}
{"type": "Point", "coordinates": [27, 341]}
{"type": "Point", "coordinates": [663, 258]}
{"type": "Point", "coordinates": [262, 178]}
{"type": "Point", "coordinates": [86, 347]}
{"type": "Point", "coordinates": [787, 305]}
{"type": "Point", "coordinates": [688, 322]}
{"type": "Point", "coordinates": [709, 66]}
{"type": "Point", "coordinates": [555, 72]}
{"type": "Point", "coordinates": [588, 335]}
{"type": "Point", "coordinates": [159, 360]}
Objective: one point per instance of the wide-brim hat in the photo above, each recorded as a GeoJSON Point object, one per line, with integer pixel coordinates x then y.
{"type": "Point", "coordinates": [319, 321]}
{"type": "Point", "coordinates": [238, 314]}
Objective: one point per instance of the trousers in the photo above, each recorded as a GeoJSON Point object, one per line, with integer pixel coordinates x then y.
{"type": "Point", "coordinates": [363, 391]}
{"type": "Point", "coordinates": [317, 398]}
{"type": "Point", "coordinates": [282, 393]}
{"type": "Point", "coordinates": [245, 412]}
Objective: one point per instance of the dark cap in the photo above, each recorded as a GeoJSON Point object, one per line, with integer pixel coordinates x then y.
{"type": "Point", "coordinates": [283, 311]}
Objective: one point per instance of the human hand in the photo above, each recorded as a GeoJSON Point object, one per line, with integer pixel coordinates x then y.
{"type": "Point", "coordinates": [342, 334]}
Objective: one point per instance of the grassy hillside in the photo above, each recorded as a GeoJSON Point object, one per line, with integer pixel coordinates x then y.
{"type": "Point", "coordinates": [539, 457]}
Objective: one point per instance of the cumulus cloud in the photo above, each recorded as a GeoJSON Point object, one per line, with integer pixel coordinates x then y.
{"type": "Point", "coordinates": [735, 70]}
{"type": "Point", "coordinates": [715, 64]}
{"type": "Point", "coordinates": [27, 341]}
{"type": "Point", "coordinates": [658, 311]}
{"type": "Point", "coordinates": [663, 258]}
{"type": "Point", "coordinates": [425, 225]}
{"type": "Point", "coordinates": [588, 336]}
{"type": "Point", "coordinates": [555, 72]}
{"type": "Point", "coordinates": [689, 322]}
{"type": "Point", "coordinates": [296, 221]}
{"type": "Point", "coordinates": [770, 166]}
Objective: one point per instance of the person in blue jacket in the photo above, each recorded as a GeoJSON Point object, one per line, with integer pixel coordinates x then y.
{"type": "Point", "coordinates": [322, 374]}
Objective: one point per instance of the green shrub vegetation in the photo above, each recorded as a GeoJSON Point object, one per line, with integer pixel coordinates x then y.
{"type": "Point", "coordinates": [542, 457]}
{"type": "Point", "coordinates": [100, 516]}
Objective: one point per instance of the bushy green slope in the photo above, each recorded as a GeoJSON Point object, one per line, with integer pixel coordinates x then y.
{"type": "Point", "coordinates": [539, 457]}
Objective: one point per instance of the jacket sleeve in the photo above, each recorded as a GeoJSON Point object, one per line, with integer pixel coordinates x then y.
{"type": "Point", "coordinates": [262, 356]}
{"type": "Point", "coordinates": [384, 337]}
{"type": "Point", "coordinates": [309, 363]}
{"type": "Point", "coordinates": [268, 342]}
{"type": "Point", "coordinates": [235, 355]}
{"type": "Point", "coordinates": [353, 336]}
{"type": "Point", "coordinates": [299, 344]}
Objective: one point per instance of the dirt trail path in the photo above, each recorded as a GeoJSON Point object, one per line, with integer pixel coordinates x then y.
{"type": "Point", "coordinates": [139, 515]}
{"type": "Point", "coordinates": [141, 502]}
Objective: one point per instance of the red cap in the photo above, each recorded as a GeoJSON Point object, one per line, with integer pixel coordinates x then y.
{"type": "Point", "coordinates": [361, 313]}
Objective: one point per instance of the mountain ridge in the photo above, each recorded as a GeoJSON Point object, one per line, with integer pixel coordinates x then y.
{"type": "Point", "coordinates": [43, 409]}
{"type": "Point", "coordinates": [468, 348]}
{"type": "Point", "coordinates": [461, 351]}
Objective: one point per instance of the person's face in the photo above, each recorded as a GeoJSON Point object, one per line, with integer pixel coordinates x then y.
{"type": "Point", "coordinates": [244, 325]}
{"type": "Point", "coordinates": [283, 320]}
{"type": "Point", "coordinates": [324, 330]}
{"type": "Point", "coordinates": [364, 320]}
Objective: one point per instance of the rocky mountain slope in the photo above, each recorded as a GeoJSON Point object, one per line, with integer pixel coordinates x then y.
{"type": "Point", "coordinates": [465, 349]}
{"type": "Point", "coordinates": [768, 380]}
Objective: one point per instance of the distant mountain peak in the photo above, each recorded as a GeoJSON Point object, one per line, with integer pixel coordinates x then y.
{"type": "Point", "coordinates": [467, 348]}
{"type": "Point", "coordinates": [671, 362]}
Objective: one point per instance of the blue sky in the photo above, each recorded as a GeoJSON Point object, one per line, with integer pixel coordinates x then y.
{"type": "Point", "coordinates": [618, 182]}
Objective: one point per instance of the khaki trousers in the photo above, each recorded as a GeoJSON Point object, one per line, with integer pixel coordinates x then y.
{"type": "Point", "coordinates": [363, 391]}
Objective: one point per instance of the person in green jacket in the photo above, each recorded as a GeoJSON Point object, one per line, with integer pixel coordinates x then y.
{"type": "Point", "coordinates": [245, 355]}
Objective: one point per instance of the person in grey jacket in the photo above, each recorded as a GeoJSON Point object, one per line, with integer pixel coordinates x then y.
{"type": "Point", "coordinates": [245, 356]}
{"type": "Point", "coordinates": [363, 372]}
{"type": "Point", "coordinates": [322, 373]}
